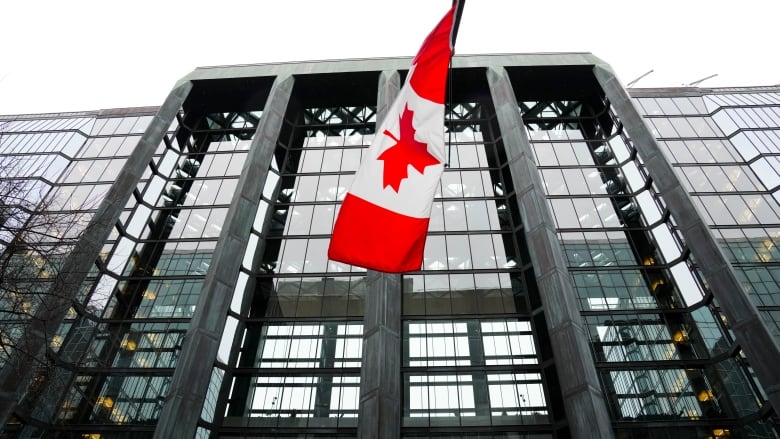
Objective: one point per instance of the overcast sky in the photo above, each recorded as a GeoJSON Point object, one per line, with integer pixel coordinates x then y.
{"type": "Point", "coordinates": [71, 55]}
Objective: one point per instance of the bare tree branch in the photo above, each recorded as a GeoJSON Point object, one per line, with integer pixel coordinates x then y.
{"type": "Point", "coordinates": [35, 238]}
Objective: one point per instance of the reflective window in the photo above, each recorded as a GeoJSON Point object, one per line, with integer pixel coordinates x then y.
{"type": "Point", "coordinates": [768, 171]}
{"type": "Point", "coordinates": [459, 398]}
{"type": "Point", "coordinates": [719, 179]}
{"type": "Point", "coordinates": [672, 106]}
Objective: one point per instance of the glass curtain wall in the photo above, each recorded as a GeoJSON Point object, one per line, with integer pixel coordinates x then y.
{"type": "Point", "coordinates": [726, 149]}
{"type": "Point", "coordinates": [476, 358]}
{"type": "Point", "coordinates": [62, 166]}
{"type": "Point", "coordinates": [39, 216]}
{"type": "Point", "coordinates": [291, 354]}
{"type": "Point", "coordinates": [664, 355]}
{"type": "Point", "coordinates": [122, 346]}
{"type": "Point", "coordinates": [40, 220]}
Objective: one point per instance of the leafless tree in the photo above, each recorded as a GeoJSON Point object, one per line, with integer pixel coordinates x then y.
{"type": "Point", "coordinates": [36, 235]}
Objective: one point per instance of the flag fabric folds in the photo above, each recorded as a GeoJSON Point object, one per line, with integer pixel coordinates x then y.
{"type": "Point", "coordinates": [383, 221]}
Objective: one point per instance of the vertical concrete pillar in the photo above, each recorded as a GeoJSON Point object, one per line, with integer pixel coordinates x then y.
{"type": "Point", "coordinates": [184, 402]}
{"type": "Point", "coordinates": [16, 374]}
{"type": "Point", "coordinates": [751, 333]}
{"type": "Point", "coordinates": [583, 399]}
{"type": "Point", "coordinates": [379, 412]}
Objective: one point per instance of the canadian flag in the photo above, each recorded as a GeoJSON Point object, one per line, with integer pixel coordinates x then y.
{"type": "Point", "coordinates": [384, 218]}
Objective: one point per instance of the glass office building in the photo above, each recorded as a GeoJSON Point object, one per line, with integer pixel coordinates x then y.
{"type": "Point", "coordinates": [601, 262]}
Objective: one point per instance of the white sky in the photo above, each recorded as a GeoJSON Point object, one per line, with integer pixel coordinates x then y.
{"type": "Point", "coordinates": [71, 55]}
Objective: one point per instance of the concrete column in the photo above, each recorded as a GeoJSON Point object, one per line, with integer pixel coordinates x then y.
{"type": "Point", "coordinates": [379, 413]}
{"type": "Point", "coordinates": [184, 402]}
{"type": "Point", "coordinates": [583, 399]}
{"type": "Point", "coordinates": [15, 376]}
{"type": "Point", "coordinates": [752, 334]}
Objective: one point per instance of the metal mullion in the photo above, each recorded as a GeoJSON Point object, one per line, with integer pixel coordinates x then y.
{"type": "Point", "coordinates": [287, 372]}
{"type": "Point", "coordinates": [459, 370]}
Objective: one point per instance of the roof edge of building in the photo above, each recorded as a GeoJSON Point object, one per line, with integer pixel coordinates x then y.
{"type": "Point", "coordinates": [387, 63]}
{"type": "Point", "coordinates": [700, 91]}
{"type": "Point", "coordinates": [106, 112]}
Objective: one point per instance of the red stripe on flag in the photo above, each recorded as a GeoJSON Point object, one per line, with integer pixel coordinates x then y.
{"type": "Point", "coordinates": [429, 78]}
{"type": "Point", "coordinates": [376, 238]}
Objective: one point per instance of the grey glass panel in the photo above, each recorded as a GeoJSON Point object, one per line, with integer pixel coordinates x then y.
{"type": "Point", "coordinates": [608, 289]}
{"type": "Point", "coordinates": [198, 223]}
{"type": "Point", "coordinates": [682, 127]}
{"type": "Point", "coordinates": [594, 181]}
{"type": "Point", "coordinates": [350, 160]}
{"type": "Point", "coordinates": [483, 254]}
{"type": "Point", "coordinates": [667, 106]}
{"type": "Point", "coordinates": [142, 123]}
{"type": "Point", "coordinates": [322, 219]}
{"type": "Point", "coordinates": [649, 106]}
{"type": "Point", "coordinates": [312, 160]}
{"type": "Point", "coordinates": [451, 184]}
{"type": "Point", "coordinates": [169, 299]}
{"type": "Point", "coordinates": [328, 188]}
{"type": "Point", "coordinates": [292, 256]}
{"type": "Point", "coordinates": [435, 256]}
{"type": "Point", "coordinates": [680, 151]}
{"type": "Point", "coordinates": [236, 164]}
{"type": "Point", "coordinates": [720, 181]}
{"type": "Point", "coordinates": [458, 254]}
{"type": "Point", "coordinates": [761, 283]}
{"type": "Point", "coordinates": [671, 393]}
{"type": "Point", "coordinates": [741, 177]}
{"type": "Point", "coordinates": [305, 188]}
{"type": "Point", "coordinates": [663, 127]}
{"type": "Point", "coordinates": [721, 151]}
{"type": "Point", "coordinates": [696, 179]}
{"type": "Point", "coordinates": [587, 212]}
{"type": "Point", "coordinates": [597, 249]}
{"type": "Point", "coordinates": [554, 182]}
{"type": "Point", "coordinates": [473, 183]}
{"type": "Point", "coordinates": [454, 216]}
{"type": "Point", "coordinates": [126, 124]}
{"type": "Point", "coordinates": [715, 208]}
{"type": "Point", "coordinates": [109, 126]}
{"type": "Point", "coordinates": [467, 157]}
{"type": "Point", "coordinates": [456, 399]}
{"type": "Point", "coordinates": [768, 170]}
{"type": "Point", "coordinates": [331, 161]}
{"type": "Point", "coordinates": [545, 155]}
{"type": "Point", "coordinates": [565, 154]}
{"type": "Point", "coordinates": [583, 154]}
{"type": "Point", "coordinates": [176, 261]}
{"type": "Point", "coordinates": [477, 215]}
{"type": "Point", "coordinates": [765, 209]}
{"type": "Point", "coordinates": [345, 182]}
{"type": "Point", "coordinates": [436, 223]}
{"type": "Point", "coordinates": [700, 151]}
{"type": "Point", "coordinates": [575, 181]}
{"type": "Point", "coordinates": [741, 211]}
{"type": "Point", "coordinates": [299, 220]}
{"type": "Point", "coordinates": [565, 215]}
{"type": "Point", "coordinates": [316, 256]}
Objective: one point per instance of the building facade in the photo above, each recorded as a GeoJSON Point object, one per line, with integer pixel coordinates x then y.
{"type": "Point", "coordinates": [601, 263]}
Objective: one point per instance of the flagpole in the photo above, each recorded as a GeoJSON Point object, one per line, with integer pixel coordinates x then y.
{"type": "Point", "coordinates": [459, 4]}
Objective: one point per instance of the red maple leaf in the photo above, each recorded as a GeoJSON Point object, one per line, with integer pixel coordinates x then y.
{"type": "Point", "coordinates": [405, 152]}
